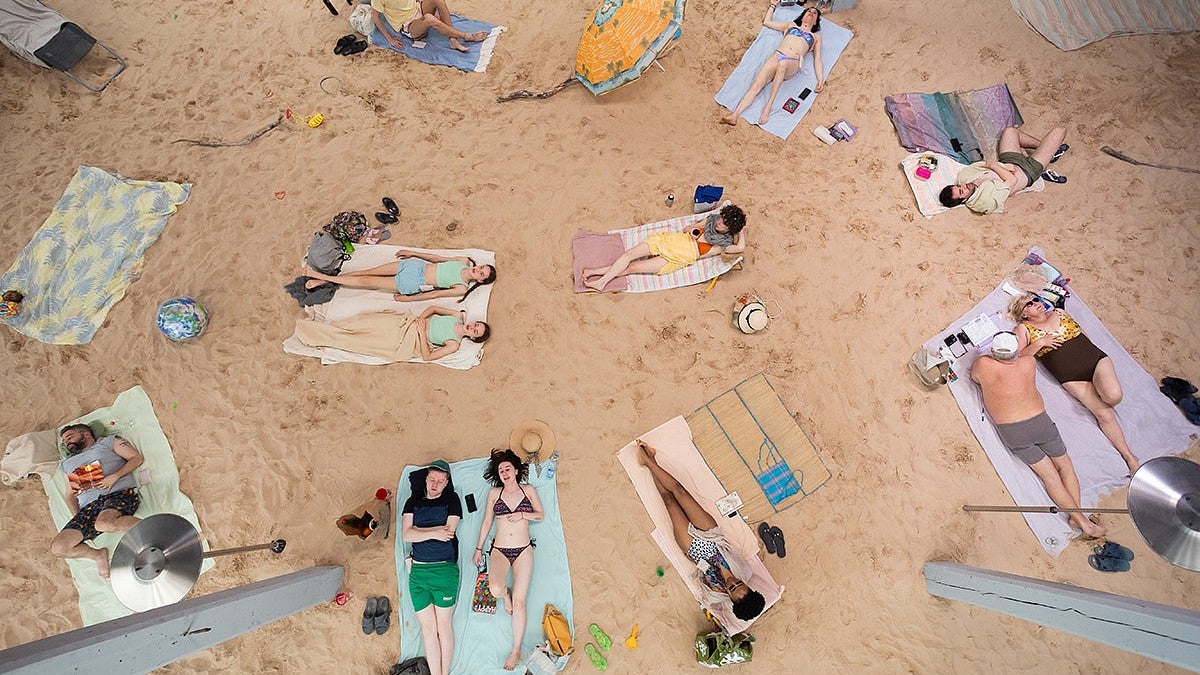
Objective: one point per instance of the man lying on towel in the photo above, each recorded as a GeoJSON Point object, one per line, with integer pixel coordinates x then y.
{"type": "Point", "coordinates": [667, 252]}
{"type": "Point", "coordinates": [719, 566]}
{"type": "Point", "coordinates": [985, 186]}
{"type": "Point", "coordinates": [1012, 400]}
{"type": "Point", "coordinates": [101, 491]}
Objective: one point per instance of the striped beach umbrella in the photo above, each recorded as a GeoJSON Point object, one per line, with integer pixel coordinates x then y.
{"type": "Point", "coordinates": [622, 38]}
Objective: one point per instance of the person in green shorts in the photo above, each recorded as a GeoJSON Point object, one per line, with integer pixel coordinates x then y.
{"type": "Point", "coordinates": [1022, 159]}
{"type": "Point", "coordinates": [430, 517]}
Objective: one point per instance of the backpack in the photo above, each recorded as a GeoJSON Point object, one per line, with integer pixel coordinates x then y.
{"type": "Point", "coordinates": [348, 226]}
{"type": "Point", "coordinates": [557, 630]}
{"type": "Point", "coordinates": [414, 666]}
{"type": "Point", "coordinates": [326, 254]}
{"type": "Point", "coordinates": [717, 649]}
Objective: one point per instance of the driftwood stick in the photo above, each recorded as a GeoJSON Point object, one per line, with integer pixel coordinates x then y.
{"type": "Point", "coordinates": [525, 93]}
{"type": "Point", "coordinates": [245, 141]}
{"type": "Point", "coordinates": [1126, 158]}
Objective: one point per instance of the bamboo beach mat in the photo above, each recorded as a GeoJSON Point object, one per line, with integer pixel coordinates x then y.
{"type": "Point", "coordinates": [756, 448]}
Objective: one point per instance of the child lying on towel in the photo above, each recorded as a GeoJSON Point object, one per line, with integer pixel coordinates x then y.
{"type": "Point", "coordinates": [720, 567]}
{"type": "Point", "coordinates": [396, 336]}
{"type": "Point", "coordinates": [667, 252]}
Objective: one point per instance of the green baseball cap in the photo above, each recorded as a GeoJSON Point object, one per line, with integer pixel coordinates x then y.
{"type": "Point", "coordinates": [441, 465]}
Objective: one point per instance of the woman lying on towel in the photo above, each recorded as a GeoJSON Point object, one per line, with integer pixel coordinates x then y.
{"type": "Point", "coordinates": [396, 336]}
{"type": "Point", "coordinates": [799, 38]}
{"type": "Point", "coordinates": [416, 276]}
{"type": "Point", "coordinates": [512, 547]}
{"type": "Point", "coordinates": [667, 252]}
{"type": "Point", "coordinates": [720, 568]}
{"type": "Point", "coordinates": [1086, 372]}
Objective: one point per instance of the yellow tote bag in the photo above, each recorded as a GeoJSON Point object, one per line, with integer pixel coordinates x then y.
{"type": "Point", "coordinates": [557, 630]}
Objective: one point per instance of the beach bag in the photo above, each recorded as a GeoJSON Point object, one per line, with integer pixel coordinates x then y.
{"type": "Point", "coordinates": [717, 649]}
{"type": "Point", "coordinates": [482, 600]}
{"type": "Point", "coordinates": [557, 630]}
{"type": "Point", "coordinates": [707, 197]}
{"type": "Point", "coordinates": [326, 254]}
{"type": "Point", "coordinates": [414, 666]}
{"type": "Point", "coordinates": [348, 226]}
{"type": "Point", "coordinates": [360, 19]}
{"type": "Point", "coordinates": [542, 662]}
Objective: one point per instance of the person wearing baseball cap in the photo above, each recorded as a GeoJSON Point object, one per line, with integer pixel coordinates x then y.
{"type": "Point", "coordinates": [1011, 398]}
{"type": "Point", "coordinates": [430, 517]}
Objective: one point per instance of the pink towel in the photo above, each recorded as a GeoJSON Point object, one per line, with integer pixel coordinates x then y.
{"type": "Point", "coordinates": [592, 249]}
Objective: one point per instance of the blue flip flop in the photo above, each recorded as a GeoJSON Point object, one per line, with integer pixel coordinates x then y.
{"type": "Point", "coordinates": [368, 622]}
{"type": "Point", "coordinates": [1054, 177]}
{"type": "Point", "coordinates": [1062, 150]}
{"type": "Point", "coordinates": [1104, 563]}
{"type": "Point", "coordinates": [383, 619]}
{"type": "Point", "coordinates": [1112, 549]}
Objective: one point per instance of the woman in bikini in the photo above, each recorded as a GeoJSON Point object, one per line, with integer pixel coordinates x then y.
{"type": "Point", "coordinates": [799, 38]}
{"type": "Point", "coordinates": [415, 276]}
{"type": "Point", "coordinates": [667, 252]}
{"type": "Point", "coordinates": [512, 546]}
{"type": "Point", "coordinates": [1086, 372]}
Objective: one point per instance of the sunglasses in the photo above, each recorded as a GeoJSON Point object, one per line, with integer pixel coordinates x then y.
{"type": "Point", "coordinates": [1035, 300]}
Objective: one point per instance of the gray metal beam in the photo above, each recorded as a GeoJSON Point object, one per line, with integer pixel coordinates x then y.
{"type": "Point", "coordinates": [142, 642]}
{"type": "Point", "coordinates": [1161, 632]}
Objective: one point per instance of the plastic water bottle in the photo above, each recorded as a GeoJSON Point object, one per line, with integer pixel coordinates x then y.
{"type": "Point", "coordinates": [551, 465]}
{"type": "Point", "coordinates": [670, 200]}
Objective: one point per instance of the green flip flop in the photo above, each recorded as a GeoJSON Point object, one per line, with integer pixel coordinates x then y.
{"type": "Point", "coordinates": [597, 658]}
{"type": "Point", "coordinates": [600, 637]}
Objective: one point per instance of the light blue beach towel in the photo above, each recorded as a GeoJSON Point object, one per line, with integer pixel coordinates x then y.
{"type": "Point", "coordinates": [483, 641]}
{"type": "Point", "coordinates": [437, 50]}
{"type": "Point", "coordinates": [834, 39]}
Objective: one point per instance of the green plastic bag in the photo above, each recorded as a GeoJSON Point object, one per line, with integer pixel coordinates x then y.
{"type": "Point", "coordinates": [717, 649]}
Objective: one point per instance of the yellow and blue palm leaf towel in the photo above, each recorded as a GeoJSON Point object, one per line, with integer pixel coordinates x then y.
{"type": "Point", "coordinates": [86, 253]}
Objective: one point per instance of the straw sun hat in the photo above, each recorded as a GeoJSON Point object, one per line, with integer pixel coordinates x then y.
{"type": "Point", "coordinates": [532, 437]}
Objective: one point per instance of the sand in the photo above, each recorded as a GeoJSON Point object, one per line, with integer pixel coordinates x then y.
{"type": "Point", "coordinates": [271, 445]}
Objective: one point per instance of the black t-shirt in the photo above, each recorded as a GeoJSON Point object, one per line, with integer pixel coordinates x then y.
{"type": "Point", "coordinates": [432, 513]}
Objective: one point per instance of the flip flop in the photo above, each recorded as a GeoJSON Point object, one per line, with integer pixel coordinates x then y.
{"type": "Point", "coordinates": [1112, 549]}
{"type": "Point", "coordinates": [390, 205]}
{"type": "Point", "coordinates": [383, 618]}
{"type": "Point", "coordinates": [780, 547]}
{"type": "Point", "coordinates": [1062, 150]}
{"type": "Point", "coordinates": [376, 235]}
{"type": "Point", "coordinates": [368, 624]}
{"type": "Point", "coordinates": [342, 43]}
{"type": "Point", "coordinates": [1054, 177]}
{"type": "Point", "coordinates": [596, 657]}
{"type": "Point", "coordinates": [600, 637]}
{"type": "Point", "coordinates": [385, 218]}
{"type": "Point", "coordinates": [764, 533]}
{"type": "Point", "coordinates": [1107, 564]}
{"type": "Point", "coordinates": [355, 47]}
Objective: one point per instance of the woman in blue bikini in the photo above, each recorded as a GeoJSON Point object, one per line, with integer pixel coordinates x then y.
{"type": "Point", "coordinates": [799, 38]}
{"type": "Point", "coordinates": [512, 545]}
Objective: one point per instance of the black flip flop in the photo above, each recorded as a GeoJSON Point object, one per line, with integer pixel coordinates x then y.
{"type": "Point", "coordinates": [1062, 150]}
{"type": "Point", "coordinates": [1112, 549]}
{"type": "Point", "coordinates": [1104, 563]}
{"type": "Point", "coordinates": [368, 624]}
{"type": "Point", "coordinates": [1054, 177]}
{"type": "Point", "coordinates": [390, 205]}
{"type": "Point", "coordinates": [385, 218]}
{"type": "Point", "coordinates": [355, 47]}
{"type": "Point", "coordinates": [383, 618]}
{"type": "Point", "coordinates": [764, 533]}
{"type": "Point", "coordinates": [780, 545]}
{"type": "Point", "coordinates": [342, 43]}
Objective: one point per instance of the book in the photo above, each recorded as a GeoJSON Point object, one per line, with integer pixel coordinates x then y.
{"type": "Point", "coordinates": [980, 330]}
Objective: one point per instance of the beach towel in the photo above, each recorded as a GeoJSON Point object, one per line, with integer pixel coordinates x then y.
{"type": "Point", "coordinates": [834, 39]}
{"type": "Point", "coordinates": [348, 302]}
{"type": "Point", "coordinates": [675, 452]}
{"type": "Point", "coordinates": [594, 250]}
{"type": "Point", "coordinates": [963, 124]}
{"type": "Point", "coordinates": [483, 641]}
{"type": "Point", "coordinates": [945, 173]}
{"type": "Point", "coordinates": [757, 449]}
{"type": "Point", "coordinates": [1153, 426]}
{"type": "Point", "coordinates": [132, 417]}
{"type": "Point", "coordinates": [79, 263]}
{"type": "Point", "coordinates": [436, 50]}
{"type": "Point", "coordinates": [1071, 24]}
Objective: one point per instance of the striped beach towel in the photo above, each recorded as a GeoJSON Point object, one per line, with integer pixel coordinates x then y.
{"type": "Point", "coordinates": [700, 272]}
{"type": "Point", "coordinates": [1071, 24]}
{"type": "Point", "coordinates": [962, 124]}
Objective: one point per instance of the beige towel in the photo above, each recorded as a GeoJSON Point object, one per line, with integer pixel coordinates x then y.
{"type": "Point", "coordinates": [387, 335]}
{"type": "Point", "coordinates": [29, 454]}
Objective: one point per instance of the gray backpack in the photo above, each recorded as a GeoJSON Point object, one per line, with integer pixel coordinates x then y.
{"type": "Point", "coordinates": [326, 254]}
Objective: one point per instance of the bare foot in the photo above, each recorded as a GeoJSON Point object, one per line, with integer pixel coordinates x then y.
{"type": "Point", "coordinates": [1091, 530]}
{"type": "Point", "coordinates": [764, 117]}
{"type": "Point", "coordinates": [592, 272]}
{"type": "Point", "coordinates": [477, 36]}
{"type": "Point", "coordinates": [101, 558]}
{"type": "Point", "coordinates": [1133, 463]}
{"type": "Point", "coordinates": [458, 46]}
{"type": "Point", "coordinates": [511, 663]}
{"type": "Point", "coordinates": [730, 120]}
{"type": "Point", "coordinates": [595, 285]}
{"type": "Point", "coordinates": [647, 452]}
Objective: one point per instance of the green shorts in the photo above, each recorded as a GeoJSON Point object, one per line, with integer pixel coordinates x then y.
{"type": "Point", "coordinates": [433, 583]}
{"type": "Point", "coordinates": [1029, 166]}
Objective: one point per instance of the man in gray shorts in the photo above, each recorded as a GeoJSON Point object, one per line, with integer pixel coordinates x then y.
{"type": "Point", "coordinates": [1012, 400]}
{"type": "Point", "coordinates": [985, 186]}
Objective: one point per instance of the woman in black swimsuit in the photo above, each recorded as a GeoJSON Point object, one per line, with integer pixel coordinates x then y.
{"type": "Point", "coordinates": [512, 545]}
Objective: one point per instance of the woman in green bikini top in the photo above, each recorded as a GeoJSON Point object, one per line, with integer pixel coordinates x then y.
{"type": "Point", "coordinates": [414, 276]}
{"type": "Point", "coordinates": [443, 330]}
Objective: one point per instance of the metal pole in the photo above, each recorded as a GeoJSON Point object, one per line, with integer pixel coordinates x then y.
{"type": "Point", "coordinates": [276, 546]}
{"type": "Point", "coordinates": [1038, 509]}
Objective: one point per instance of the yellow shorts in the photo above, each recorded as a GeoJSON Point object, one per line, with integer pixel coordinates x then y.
{"type": "Point", "coordinates": [677, 248]}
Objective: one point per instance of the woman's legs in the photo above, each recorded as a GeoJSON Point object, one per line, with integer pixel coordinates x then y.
{"type": "Point", "coordinates": [436, 15]}
{"type": "Point", "coordinates": [786, 72]}
{"type": "Point", "coordinates": [1106, 418]}
{"type": "Point", "coordinates": [522, 573]}
{"type": "Point", "coordinates": [379, 278]}
{"type": "Point", "coordinates": [497, 576]}
{"type": "Point", "coordinates": [681, 505]}
{"type": "Point", "coordinates": [765, 74]}
{"type": "Point", "coordinates": [624, 265]}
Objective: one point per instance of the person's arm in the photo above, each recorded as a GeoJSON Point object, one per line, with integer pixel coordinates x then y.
{"type": "Point", "coordinates": [489, 515]}
{"type": "Point", "coordinates": [412, 534]}
{"type": "Point", "coordinates": [377, 19]}
{"type": "Point", "coordinates": [538, 512]}
{"type": "Point", "coordinates": [1007, 177]}
{"type": "Point", "coordinates": [769, 22]}
{"type": "Point", "coordinates": [455, 291]}
{"type": "Point", "coordinates": [1027, 348]}
{"type": "Point", "coordinates": [739, 243]}
{"type": "Point", "coordinates": [444, 311]}
{"type": "Point", "coordinates": [133, 459]}
{"type": "Point", "coordinates": [421, 255]}
{"type": "Point", "coordinates": [72, 498]}
{"type": "Point", "coordinates": [820, 67]}
{"type": "Point", "coordinates": [430, 354]}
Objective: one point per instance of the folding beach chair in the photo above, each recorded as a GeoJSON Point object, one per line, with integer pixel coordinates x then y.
{"type": "Point", "coordinates": [45, 38]}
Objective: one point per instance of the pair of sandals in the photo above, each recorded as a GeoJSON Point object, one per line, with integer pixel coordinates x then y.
{"type": "Point", "coordinates": [604, 641]}
{"type": "Point", "coordinates": [1054, 176]}
{"type": "Point", "coordinates": [381, 234]}
{"type": "Point", "coordinates": [349, 44]}
{"type": "Point", "coordinates": [1110, 557]}
{"type": "Point", "coordinates": [376, 616]}
{"type": "Point", "coordinates": [772, 538]}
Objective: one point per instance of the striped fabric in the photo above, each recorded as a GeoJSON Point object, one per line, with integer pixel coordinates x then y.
{"type": "Point", "coordinates": [1071, 24]}
{"type": "Point", "coordinates": [692, 274]}
{"type": "Point", "coordinates": [962, 124]}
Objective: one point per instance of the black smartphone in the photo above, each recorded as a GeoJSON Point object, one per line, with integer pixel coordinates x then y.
{"type": "Point", "coordinates": [471, 507]}
{"type": "Point", "coordinates": [962, 337]}
{"type": "Point", "coordinates": [804, 93]}
{"type": "Point", "coordinates": [956, 348]}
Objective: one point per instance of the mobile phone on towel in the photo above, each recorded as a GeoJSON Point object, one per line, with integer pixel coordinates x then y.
{"type": "Point", "coordinates": [805, 93]}
{"type": "Point", "coordinates": [956, 347]}
{"type": "Point", "coordinates": [790, 105]}
{"type": "Point", "coordinates": [471, 507]}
